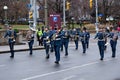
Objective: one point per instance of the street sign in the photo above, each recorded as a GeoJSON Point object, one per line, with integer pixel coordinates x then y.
{"type": "Point", "coordinates": [55, 18]}
{"type": "Point", "coordinates": [55, 21]}
{"type": "Point", "coordinates": [29, 6]}
{"type": "Point", "coordinates": [100, 15]}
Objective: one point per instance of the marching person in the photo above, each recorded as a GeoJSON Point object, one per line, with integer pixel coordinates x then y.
{"type": "Point", "coordinates": [57, 44]}
{"type": "Point", "coordinates": [46, 41]}
{"type": "Point", "coordinates": [39, 34]}
{"type": "Point", "coordinates": [101, 42]}
{"type": "Point", "coordinates": [51, 32]}
{"type": "Point", "coordinates": [113, 41]}
{"type": "Point", "coordinates": [75, 34]}
{"type": "Point", "coordinates": [83, 37]}
{"type": "Point", "coordinates": [11, 35]}
{"type": "Point", "coordinates": [65, 41]}
{"type": "Point", "coordinates": [30, 39]}
{"type": "Point", "coordinates": [87, 38]}
{"type": "Point", "coordinates": [61, 32]}
{"type": "Point", "coordinates": [106, 41]}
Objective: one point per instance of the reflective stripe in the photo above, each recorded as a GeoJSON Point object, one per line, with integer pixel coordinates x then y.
{"type": "Point", "coordinates": [101, 39]}
{"type": "Point", "coordinates": [64, 37]}
{"type": "Point", "coordinates": [58, 39]}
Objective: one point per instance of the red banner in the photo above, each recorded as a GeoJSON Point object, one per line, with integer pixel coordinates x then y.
{"type": "Point", "coordinates": [55, 21]}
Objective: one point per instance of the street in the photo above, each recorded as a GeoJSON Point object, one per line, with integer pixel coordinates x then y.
{"type": "Point", "coordinates": [27, 25]}
{"type": "Point", "coordinates": [76, 66]}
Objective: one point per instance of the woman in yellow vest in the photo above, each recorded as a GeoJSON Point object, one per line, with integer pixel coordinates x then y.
{"type": "Point", "coordinates": [39, 34]}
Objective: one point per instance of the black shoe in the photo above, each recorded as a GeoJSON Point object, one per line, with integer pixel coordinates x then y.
{"type": "Point", "coordinates": [51, 51]}
{"type": "Point", "coordinates": [30, 53]}
{"type": "Point", "coordinates": [11, 56]}
{"type": "Point", "coordinates": [76, 48]}
{"type": "Point", "coordinates": [66, 54]}
{"type": "Point", "coordinates": [101, 59]}
{"type": "Point", "coordinates": [57, 62]}
{"type": "Point", "coordinates": [47, 57]}
{"type": "Point", "coordinates": [83, 52]}
{"type": "Point", "coordinates": [113, 56]}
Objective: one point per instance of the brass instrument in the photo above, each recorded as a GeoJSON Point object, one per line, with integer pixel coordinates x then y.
{"type": "Point", "coordinates": [76, 36]}
{"type": "Point", "coordinates": [47, 39]}
{"type": "Point", "coordinates": [66, 34]}
{"type": "Point", "coordinates": [54, 36]}
{"type": "Point", "coordinates": [12, 36]}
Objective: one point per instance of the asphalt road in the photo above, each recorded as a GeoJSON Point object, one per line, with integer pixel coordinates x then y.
{"type": "Point", "coordinates": [76, 66]}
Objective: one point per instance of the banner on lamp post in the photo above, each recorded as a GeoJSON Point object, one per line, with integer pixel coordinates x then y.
{"type": "Point", "coordinates": [55, 21]}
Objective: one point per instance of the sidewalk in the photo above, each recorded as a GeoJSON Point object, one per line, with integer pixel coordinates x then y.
{"type": "Point", "coordinates": [24, 47]}
{"type": "Point", "coordinates": [17, 48]}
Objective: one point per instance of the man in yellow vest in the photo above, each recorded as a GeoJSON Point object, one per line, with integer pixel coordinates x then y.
{"type": "Point", "coordinates": [39, 34]}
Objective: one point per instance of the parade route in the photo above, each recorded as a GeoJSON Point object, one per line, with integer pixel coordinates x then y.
{"type": "Point", "coordinates": [75, 66]}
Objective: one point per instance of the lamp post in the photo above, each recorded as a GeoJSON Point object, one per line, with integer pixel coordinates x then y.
{"type": "Point", "coordinates": [5, 9]}
{"type": "Point", "coordinates": [64, 21]}
{"type": "Point", "coordinates": [96, 16]}
{"type": "Point", "coordinates": [46, 13]}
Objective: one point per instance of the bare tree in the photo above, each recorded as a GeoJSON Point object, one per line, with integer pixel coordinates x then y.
{"type": "Point", "coordinates": [79, 8]}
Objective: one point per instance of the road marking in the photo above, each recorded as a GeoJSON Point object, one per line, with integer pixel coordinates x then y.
{"type": "Point", "coordinates": [72, 68]}
{"type": "Point", "coordinates": [2, 65]}
{"type": "Point", "coordinates": [70, 77]}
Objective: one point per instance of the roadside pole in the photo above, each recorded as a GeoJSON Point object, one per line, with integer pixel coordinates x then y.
{"type": "Point", "coordinates": [96, 24]}
{"type": "Point", "coordinates": [46, 14]}
{"type": "Point", "coordinates": [35, 21]}
{"type": "Point", "coordinates": [64, 21]}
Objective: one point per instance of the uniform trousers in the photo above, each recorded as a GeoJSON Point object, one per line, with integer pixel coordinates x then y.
{"type": "Point", "coordinates": [101, 45]}
{"type": "Point", "coordinates": [113, 46]}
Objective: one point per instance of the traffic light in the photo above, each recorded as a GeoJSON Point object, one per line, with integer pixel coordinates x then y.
{"type": "Point", "coordinates": [67, 5]}
{"type": "Point", "coordinates": [30, 15]}
{"type": "Point", "coordinates": [91, 3]}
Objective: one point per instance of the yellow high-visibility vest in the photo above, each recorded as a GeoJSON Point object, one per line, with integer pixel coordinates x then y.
{"type": "Point", "coordinates": [39, 33]}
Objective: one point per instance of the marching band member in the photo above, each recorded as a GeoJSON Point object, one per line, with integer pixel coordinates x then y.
{"type": "Point", "coordinates": [83, 37]}
{"type": "Point", "coordinates": [51, 33]}
{"type": "Point", "coordinates": [46, 41]}
{"type": "Point", "coordinates": [113, 42]}
{"type": "Point", "coordinates": [66, 36]}
{"type": "Point", "coordinates": [87, 38]}
{"type": "Point", "coordinates": [101, 42]}
{"type": "Point", "coordinates": [30, 39]}
{"type": "Point", "coordinates": [11, 35]}
{"type": "Point", "coordinates": [75, 34]}
{"type": "Point", "coordinates": [57, 44]}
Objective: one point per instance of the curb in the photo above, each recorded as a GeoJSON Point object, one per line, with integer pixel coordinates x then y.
{"type": "Point", "coordinates": [19, 50]}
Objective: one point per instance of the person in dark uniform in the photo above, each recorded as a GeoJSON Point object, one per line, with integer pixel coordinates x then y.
{"type": "Point", "coordinates": [61, 32]}
{"type": "Point", "coordinates": [30, 39]}
{"type": "Point", "coordinates": [101, 42]}
{"type": "Point", "coordinates": [11, 35]}
{"type": "Point", "coordinates": [106, 33]}
{"type": "Point", "coordinates": [113, 42]}
{"type": "Point", "coordinates": [83, 37]}
{"type": "Point", "coordinates": [51, 32]}
{"type": "Point", "coordinates": [66, 36]}
{"type": "Point", "coordinates": [87, 38]}
{"type": "Point", "coordinates": [75, 34]}
{"type": "Point", "coordinates": [46, 41]}
{"type": "Point", "coordinates": [57, 44]}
